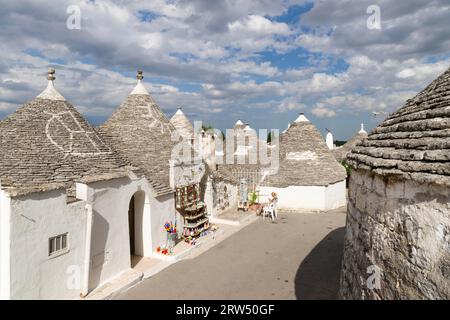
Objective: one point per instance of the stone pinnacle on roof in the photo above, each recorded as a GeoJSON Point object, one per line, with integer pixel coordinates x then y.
{"type": "Point", "coordinates": [50, 92]}
{"type": "Point", "coordinates": [301, 118]}
{"type": "Point", "coordinates": [139, 88]}
{"type": "Point", "coordinates": [239, 125]}
{"type": "Point", "coordinates": [179, 111]}
{"type": "Point", "coordinates": [362, 129]}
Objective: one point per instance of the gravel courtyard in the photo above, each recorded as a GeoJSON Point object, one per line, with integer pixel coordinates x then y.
{"type": "Point", "coordinates": [298, 257]}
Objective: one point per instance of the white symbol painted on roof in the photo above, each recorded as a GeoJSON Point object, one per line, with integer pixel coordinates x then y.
{"type": "Point", "coordinates": [301, 156]}
{"type": "Point", "coordinates": [155, 119]}
{"type": "Point", "coordinates": [76, 141]}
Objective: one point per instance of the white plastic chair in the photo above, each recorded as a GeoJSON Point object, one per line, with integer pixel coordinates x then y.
{"type": "Point", "coordinates": [270, 210]}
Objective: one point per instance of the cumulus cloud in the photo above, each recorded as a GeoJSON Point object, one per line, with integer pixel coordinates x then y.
{"type": "Point", "coordinates": [222, 59]}
{"type": "Point", "coordinates": [322, 112]}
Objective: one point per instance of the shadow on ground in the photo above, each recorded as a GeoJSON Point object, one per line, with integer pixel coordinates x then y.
{"type": "Point", "coordinates": [318, 275]}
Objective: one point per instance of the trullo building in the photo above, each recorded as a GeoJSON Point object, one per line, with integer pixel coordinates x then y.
{"type": "Point", "coordinates": [64, 202]}
{"type": "Point", "coordinates": [141, 133]}
{"type": "Point", "coordinates": [182, 124]}
{"type": "Point", "coordinates": [341, 152]}
{"type": "Point", "coordinates": [397, 243]}
{"type": "Point", "coordinates": [309, 177]}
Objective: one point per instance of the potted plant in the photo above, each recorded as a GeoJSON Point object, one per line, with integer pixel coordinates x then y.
{"type": "Point", "coordinates": [253, 204]}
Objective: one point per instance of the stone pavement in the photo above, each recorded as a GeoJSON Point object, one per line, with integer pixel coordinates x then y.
{"type": "Point", "coordinates": [145, 267]}
{"type": "Point", "coordinates": [298, 257]}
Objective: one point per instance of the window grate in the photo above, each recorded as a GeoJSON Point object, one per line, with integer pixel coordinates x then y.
{"type": "Point", "coordinates": [57, 245]}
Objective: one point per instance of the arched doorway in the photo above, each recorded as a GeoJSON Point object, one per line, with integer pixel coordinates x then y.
{"type": "Point", "coordinates": [139, 226]}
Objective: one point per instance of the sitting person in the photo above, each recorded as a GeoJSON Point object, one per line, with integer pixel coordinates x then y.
{"type": "Point", "coordinates": [274, 198]}
{"type": "Point", "coordinates": [271, 207]}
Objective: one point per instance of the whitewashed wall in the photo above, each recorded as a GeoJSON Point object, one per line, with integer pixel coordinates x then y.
{"type": "Point", "coordinates": [307, 197]}
{"type": "Point", "coordinates": [37, 217]}
{"type": "Point", "coordinates": [110, 244]}
{"type": "Point", "coordinates": [335, 195]}
{"type": "Point", "coordinates": [163, 210]}
{"type": "Point", "coordinates": [5, 215]}
{"type": "Point", "coordinates": [34, 219]}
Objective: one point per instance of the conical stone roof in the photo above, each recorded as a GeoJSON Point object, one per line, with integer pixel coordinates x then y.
{"type": "Point", "coordinates": [47, 144]}
{"type": "Point", "coordinates": [305, 159]}
{"type": "Point", "coordinates": [413, 142]}
{"type": "Point", "coordinates": [139, 131]}
{"type": "Point", "coordinates": [342, 152]}
{"type": "Point", "coordinates": [239, 125]}
{"type": "Point", "coordinates": [182, 124]}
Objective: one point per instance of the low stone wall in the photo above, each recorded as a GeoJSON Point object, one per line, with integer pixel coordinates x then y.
{"type": "Point", "coordinates": [397, 243]}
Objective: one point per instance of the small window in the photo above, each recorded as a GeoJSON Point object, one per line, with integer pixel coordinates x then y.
{"type": "Point", "coordinates": [57, 245]}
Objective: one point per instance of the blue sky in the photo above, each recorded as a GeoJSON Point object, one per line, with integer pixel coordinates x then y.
{"type": "Point", "coordinates": [260, 61]}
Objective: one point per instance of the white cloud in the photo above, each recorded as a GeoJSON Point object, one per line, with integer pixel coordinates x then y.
{"type": "Point", "coordinates": [259, 25]}
{"type": "Point", "coordinates": [322, 112]}
{"type": "Point", "coordinates": [288, 105]}
{"type": "Point", "coordinates": [211, 56]}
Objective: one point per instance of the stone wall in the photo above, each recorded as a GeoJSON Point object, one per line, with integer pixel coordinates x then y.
{"type": "Point", "coordinates": [399, 230]}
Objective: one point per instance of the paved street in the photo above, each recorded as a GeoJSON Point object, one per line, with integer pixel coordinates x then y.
{"type": "Point", "coordinates": [298, 257]}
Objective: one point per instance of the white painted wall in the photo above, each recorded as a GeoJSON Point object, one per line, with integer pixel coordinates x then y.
{"type": "Point", "coordinates": [110, 244]}
{"type": "Point", "coordinates": [335, 195]}
{"type": "Point", "coordinates": [297, 197]}
{"type": "Point", "coordinates": [5, 214]}
{"type": "Point", "coordinates": [307, 197]}
{"type": "Point", "coordinates": [37, 217]}
{"type": "Point", "coordinates": [163, 210]}
{"type": "Point", "coordinates": [34, 219]}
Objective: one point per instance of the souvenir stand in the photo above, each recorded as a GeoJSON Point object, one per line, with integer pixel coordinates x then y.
{"type": "Point", "coordinates": [188, 200]}
{"type": "Point", "coordinates": [193, 210]}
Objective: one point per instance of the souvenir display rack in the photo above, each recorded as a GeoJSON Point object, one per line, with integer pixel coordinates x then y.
{"type": "Point", "coordinates": [193, 210]}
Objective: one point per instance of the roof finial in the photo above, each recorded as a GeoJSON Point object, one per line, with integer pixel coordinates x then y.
{"type": "Point", "coordinates": [50, 92]}
{"type": "Point", "coordinates": [362, 129]}
{"type": "Point", "coordinates": [179, 111]}
{"type": "Point", "coordinates": [51, 74]}
{"type": "Point", "coordinates": [139, 89]}
{"type": "Point", "coordinates": [301, 118]}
